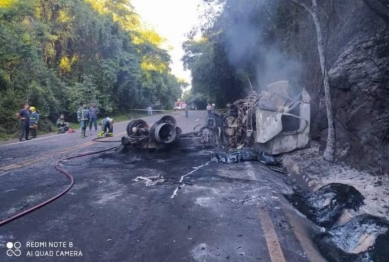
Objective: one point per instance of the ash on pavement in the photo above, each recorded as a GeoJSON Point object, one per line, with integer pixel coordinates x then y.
{"type": "Point", "coordinates": [211, 215]}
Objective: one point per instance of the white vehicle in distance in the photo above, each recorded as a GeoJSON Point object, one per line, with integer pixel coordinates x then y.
{"type": "Point", "coordinates": [180, 107]}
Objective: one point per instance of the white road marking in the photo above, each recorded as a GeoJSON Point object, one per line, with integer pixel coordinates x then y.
{"type": "Point", "coordinates": [197, 119]}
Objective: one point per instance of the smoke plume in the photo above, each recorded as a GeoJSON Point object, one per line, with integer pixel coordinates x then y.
{"type": "Point", "coordinates": [245, 35]}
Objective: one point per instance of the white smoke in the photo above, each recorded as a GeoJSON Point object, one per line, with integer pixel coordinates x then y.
{"type": "Point", "coordinates": [247, 51]}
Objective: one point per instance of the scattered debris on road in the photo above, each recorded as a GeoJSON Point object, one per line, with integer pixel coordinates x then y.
{"type": "Point", "coordinates": [151, 180]}
{"type": "Point", "coordinates": [272, 122]}
{"type": "Point", "coordinates": [183, 177]}
{"type": "Point", "coordinates": [247, 154]}
{"type": "Point", "coordinates": [255, 128]}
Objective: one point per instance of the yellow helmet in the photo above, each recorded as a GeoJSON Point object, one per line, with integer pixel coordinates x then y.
{"type": "Point", "coordinates": [33, 109]}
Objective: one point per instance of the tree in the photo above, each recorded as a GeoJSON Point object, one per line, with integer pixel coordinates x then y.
{"type": "Point", "coordinates": [314, 11]}
{"type": "Point", "coordinates": [57, 53]}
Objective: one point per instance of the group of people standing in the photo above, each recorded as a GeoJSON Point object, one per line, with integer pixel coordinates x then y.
{"type": "Point", "coordinates": [88, 116]}
{"type": "Point", "coordinates": [29, 119]}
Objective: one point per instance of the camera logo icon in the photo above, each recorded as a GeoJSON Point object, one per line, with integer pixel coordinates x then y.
{"type": "Point", "coordinates": [13, 249]}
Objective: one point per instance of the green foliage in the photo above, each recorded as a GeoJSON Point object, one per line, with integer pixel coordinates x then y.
{"type": "Point", "coordinates": [56, 54]}
{"type": "Point", "coordinates": [212, 75]}
{"type": "Point", "coordinates": [196, 100]}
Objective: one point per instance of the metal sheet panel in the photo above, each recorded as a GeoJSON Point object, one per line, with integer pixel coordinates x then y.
{"type": "Point", "coordinates": [269, 125]}
{"type": "Point", "coordinates": [284, 143]}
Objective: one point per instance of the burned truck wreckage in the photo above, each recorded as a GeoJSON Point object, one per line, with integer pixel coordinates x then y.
{"type": "Point", "coordinates": [257, 127]}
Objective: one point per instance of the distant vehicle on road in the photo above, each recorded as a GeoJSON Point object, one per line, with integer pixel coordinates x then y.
{"type": "Point", "coordinates": [180, 106]}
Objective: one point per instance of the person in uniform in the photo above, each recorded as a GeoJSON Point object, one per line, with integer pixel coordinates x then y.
{"type": "Point", "coordinates": [93, 111]}
{"type": "Point", "coordinates": [106, 127]}
{"type": "Point", "coordinates": [83, 117]}
{"type": "Point", "coordinates": [34, 119]}
{"type": "Point", "coordinates": [62, 125]}
{"type": "Point", "coordinates": [24, 116]}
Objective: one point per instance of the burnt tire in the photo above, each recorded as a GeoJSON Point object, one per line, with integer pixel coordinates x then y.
{"type": "Point", "coordinates": [168, 119]}
{"type": "Point", "coordinates": [136, 123]}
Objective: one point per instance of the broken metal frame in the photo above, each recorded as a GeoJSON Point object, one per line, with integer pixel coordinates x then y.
{"type": "Point", "coordinates": [257, 121]}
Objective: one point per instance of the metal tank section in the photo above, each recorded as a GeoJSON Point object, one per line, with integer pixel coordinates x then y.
{"type": "Point", "coordinates": [283, 123]}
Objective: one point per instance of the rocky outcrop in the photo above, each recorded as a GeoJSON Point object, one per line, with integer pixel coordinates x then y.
{"type": "Point", "coordinates": [360, 90]}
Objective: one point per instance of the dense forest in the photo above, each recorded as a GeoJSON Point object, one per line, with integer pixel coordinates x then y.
{"type": "Point", "coordinates": [256, 42]}
{"type": "Point", "coordinates": [56, 54]}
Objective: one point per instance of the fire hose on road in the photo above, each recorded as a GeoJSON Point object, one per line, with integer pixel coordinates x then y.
{"type": "Point", "coordinates": [66, 173]}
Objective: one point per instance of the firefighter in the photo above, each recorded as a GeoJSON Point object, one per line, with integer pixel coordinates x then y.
{"type": "Point", "coordinates": [62, 125]}
{"type": "Point", "coordinates": [83, 117]}
{"type": "Point", "coordinates": [34, 119]}
{"type": "Point", "coordinates": [24, 116]}
{"type": "Point", "coordinates": [106, 127]}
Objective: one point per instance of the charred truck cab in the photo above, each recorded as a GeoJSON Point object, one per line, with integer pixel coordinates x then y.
{"type": "Point", "coordinates": [272, 123]}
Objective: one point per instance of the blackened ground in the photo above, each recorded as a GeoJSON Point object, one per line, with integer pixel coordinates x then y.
{"type": "Point", "coordinates": [326, 205]}
{"type": "Point", "coordinates": [217, 212]}
{"type": "Point", "coordinates": [342, 243]}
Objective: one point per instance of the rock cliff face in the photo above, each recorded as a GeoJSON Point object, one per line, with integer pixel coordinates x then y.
{"type": "Point", "coordinates": [360, 90]}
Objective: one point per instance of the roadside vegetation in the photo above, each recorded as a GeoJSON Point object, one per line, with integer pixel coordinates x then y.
{"type": "Point", "coordinates": [56, 54]}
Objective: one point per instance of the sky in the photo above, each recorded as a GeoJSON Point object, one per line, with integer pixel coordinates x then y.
{"type": "Point", "coordinates": [171, 19]}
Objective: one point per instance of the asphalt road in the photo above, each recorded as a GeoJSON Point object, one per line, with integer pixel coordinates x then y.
{"type": "Point", "coordinates": [197, 210]}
